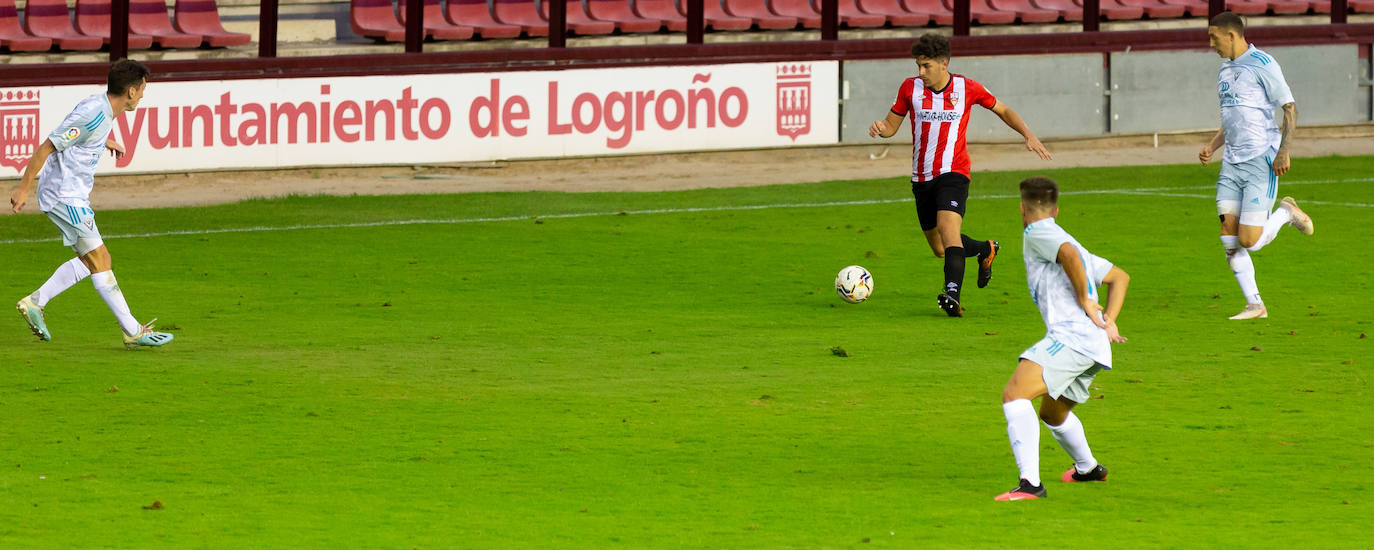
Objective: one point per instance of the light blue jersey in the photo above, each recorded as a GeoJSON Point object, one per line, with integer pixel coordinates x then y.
{"type": "Point", "coordinates": [1250, 88]}
{"type": "Point", "coordinates": [69, 173]}
{"type": "Point", "coordinates": [1052, 291]}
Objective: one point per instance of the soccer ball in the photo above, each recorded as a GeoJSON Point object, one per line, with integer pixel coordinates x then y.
{"type": "Point", "coordinates": [854, 284]}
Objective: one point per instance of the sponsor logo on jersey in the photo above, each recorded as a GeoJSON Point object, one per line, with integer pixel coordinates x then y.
{"type": "Point", "coordinates": [794, 100]}
{"type": "Point", "coordinates": [19, 136]}
{"type": "Point", "coordinates": [939, 116]}
{"type": "Point", "coordinates": [73, 133]}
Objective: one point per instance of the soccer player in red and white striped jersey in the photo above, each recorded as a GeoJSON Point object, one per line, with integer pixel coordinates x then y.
{"type": "Point", "coordinates": [939, 104]}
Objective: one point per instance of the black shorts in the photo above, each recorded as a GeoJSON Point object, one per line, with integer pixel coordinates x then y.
{"type": "Point", "coordinates": [948, 191]}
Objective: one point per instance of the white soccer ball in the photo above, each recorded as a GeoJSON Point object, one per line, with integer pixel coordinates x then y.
{"type": "Point", "coordinates": [854, 284]}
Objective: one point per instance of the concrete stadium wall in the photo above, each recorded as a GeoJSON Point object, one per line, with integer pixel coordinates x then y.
{"type": "Point", "coordinates": [1158, 91]}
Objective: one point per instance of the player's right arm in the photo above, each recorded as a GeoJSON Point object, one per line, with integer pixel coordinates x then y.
{"type": "Point", "coordinates": [901, 105]}
{"type": "Point", "coordinates": [1205, 155]}
{"type": "Point", "coordinates": [20, 197]}
{"type": "Point", "coordinates": [1115, 282]}
{"type": "Point", "coordinates": [1072, 262]}
{"type": "Point", "coordinates": [887, 127]}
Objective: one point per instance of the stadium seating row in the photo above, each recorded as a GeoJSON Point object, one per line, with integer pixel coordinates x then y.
{"type": "Point", "coordinates": [48, 24]}
{"type": "Point", "coordinates": [464, 19]}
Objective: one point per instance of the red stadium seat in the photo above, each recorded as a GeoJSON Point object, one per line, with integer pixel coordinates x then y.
{"type": "Point", "coordinates": [436, 26]}
{"type": "Point", "coordinates": [896, 14]}
{"type": "Point", "coordinates": [150, 17]}
{"type": "Point", "coordinates": [983, 14]}
{"type": "Point", "coordinates": [1025, 11]}
{"type": "Point", "coordinates": [477, 14]}
{"type": "Point", "coordinates": [202, 17]}
{"type": "Point", "coordinates": [809, 17]}
{"type": "Point", "coordinates": [618, 12]}
{"type": "Point", "coordinates": [1245, 8]}
{"type": "Point", "coordinates": [712, 11]}
{"type": "Point", "coordinates": [375, 19]}
{"type": "Point", "coordinates": [578, 20]}
{"type": "Point", "coordinates": [50, 19]}
{"type": "Point", "coordinates": [1284, 7]}
{"type": "Point", "coordinates": [665, 10]}
{"type": "Point", "coordinates": [1194, 8]}
{"type": "Point", "coordinates": [940, 14]}
{"type": "Point", "coordinates": [1360, 6]}
{"type": "Point", "coordinates": [12, 35]}
{"type": "Point", "coordinates": [93, 19]}
{"type": "Point", "coordinates": [853, 17]}
{"type": "Point", "coordinates": [1154, 9]}
{"type": "Point", "coordinates": [521, 13]}
{"type": "Point", "coordinates": [1066, 8]}
{"type": "Point", "coordinates": [1106, 10]}
{"type": "Point", "coordinates": [758, 11]}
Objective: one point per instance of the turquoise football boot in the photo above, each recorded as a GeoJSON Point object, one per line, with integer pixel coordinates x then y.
{"type": "Point", "coordinates": [147, 337]}
{"type": "Point", "coordinates": [34, 316]}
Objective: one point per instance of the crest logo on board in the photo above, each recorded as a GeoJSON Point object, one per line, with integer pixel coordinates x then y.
{"type": "Point", "coordinates": [794, 100]}
{"type": "Point", "coordinates": [19, 134]}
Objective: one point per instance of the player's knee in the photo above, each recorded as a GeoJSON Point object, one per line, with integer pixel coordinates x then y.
{"type": "Point", "coordinates": [938, 253]}
{"type": "Point", "coordinates": [1053, 417]}
{"type": "Point", "coordinates": [1248, 241]}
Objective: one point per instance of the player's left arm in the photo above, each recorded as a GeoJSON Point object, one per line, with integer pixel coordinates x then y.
{"type": "Point", "coordinates": [1072, 262]}
{"type": "Point", "coordinates": [116, 150]}
{"type": "Point", "coordinates": [1013, 120]}
{"type": "Point", "coordinates": [1290, 123]}
{"type": "Point", "coordinates": [1115, 282]}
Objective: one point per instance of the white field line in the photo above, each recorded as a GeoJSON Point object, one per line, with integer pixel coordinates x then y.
{"type": "Point", "coordinates": [1146, 191]}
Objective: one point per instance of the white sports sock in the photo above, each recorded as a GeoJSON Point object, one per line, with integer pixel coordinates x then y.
{"type": "Point", "coordinates": [1276, 221]}
{"type": "Point", "coordinates": [108, 288]}
{"type": "Point", "coordinates": [1024, 433]}
{"type": "Point", "coordinates": [1242, 267]}
{"type": "Point", "coordinates": [67, 274]}
{"type": "Point", "coordinates": [1071, 437]}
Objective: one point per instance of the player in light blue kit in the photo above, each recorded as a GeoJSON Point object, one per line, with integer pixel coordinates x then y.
{"type": "Point", "coordinates": [1250, 86]}
{"type": "Point", "coordinates": [1064, 279]}
{"type": "Point", "coordinates": [64, 188]}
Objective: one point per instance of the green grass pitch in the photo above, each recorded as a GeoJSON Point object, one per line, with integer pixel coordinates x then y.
{"type": "Point", "coordinates": [562, 376]}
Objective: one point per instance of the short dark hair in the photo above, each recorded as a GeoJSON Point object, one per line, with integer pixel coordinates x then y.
{"type": "Point", "coordinates": [125, 74]}
{"type": "Point", "coordinates": [931, 45]}
{"type": "Point", "coordinates": [1039, 192]}
{"type": "Point", "coordinates": [1229, 21]}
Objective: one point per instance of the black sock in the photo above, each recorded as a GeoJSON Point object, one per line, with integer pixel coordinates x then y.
{"type": "Point", "coordinates": [954, 271]}
{"type": "Point", "coordinates": [979, 249]}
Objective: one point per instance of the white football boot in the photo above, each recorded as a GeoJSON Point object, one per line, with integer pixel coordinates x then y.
{"type": "Point", "coordinates": [1299, 219]}
{"type": "Point", "coordinates": [1251, 311]}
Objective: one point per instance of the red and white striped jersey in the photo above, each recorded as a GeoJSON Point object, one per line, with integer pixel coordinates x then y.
{"type": "Point", "coordinates": [939, 121]}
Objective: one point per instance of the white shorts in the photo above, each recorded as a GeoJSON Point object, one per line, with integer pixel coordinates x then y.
{"type": "Point", "coordinates": [1066, 372]}
{"type": "Point", "coordinates": [1247, 189]}
{"type": "Point", "coordinates": [78, 228]}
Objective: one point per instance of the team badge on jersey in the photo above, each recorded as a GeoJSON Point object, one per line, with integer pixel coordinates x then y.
{"type": "Point", "coordinates": [954, 99]}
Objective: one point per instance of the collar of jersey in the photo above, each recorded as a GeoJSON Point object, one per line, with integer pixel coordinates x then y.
{"type": "Point", "coordinates": [1046, 221]}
